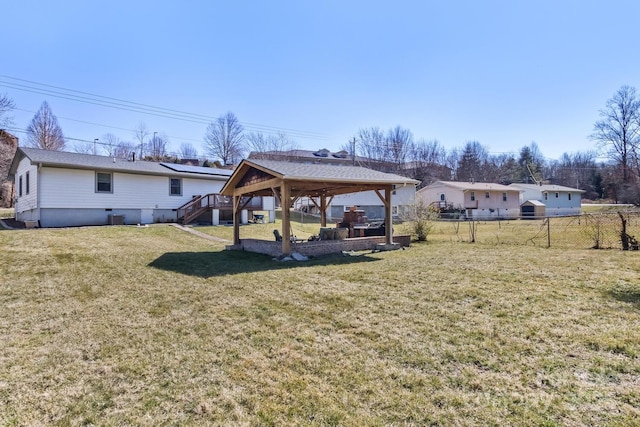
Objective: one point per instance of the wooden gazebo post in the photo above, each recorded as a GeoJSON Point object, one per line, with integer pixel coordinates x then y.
{"type": "Point", "coordinates": [236, 219]}
{"type": "Point", "coordinates": [323, 211]}
{"type": "Point", "coordinates": [285, 202]}
{"type": "Point", "coordinates": [388, 215]}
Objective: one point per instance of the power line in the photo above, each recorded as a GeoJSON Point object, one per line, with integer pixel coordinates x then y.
{"type": "Point", "coordinates": [120, 104]}
{"type": "Point", "coordinates": [180, 138]}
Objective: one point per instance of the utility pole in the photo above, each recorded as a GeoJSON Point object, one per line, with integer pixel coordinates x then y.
{"type": "Point", "coordinates": [353, 150]}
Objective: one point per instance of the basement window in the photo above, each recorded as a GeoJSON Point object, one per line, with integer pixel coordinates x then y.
{"type": "Point", "coordinates": [104, 182]}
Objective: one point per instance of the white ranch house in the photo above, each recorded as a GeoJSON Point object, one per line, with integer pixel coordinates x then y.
{"type": "Point", "coordinates": [478, 200]}
{"type": "Point", "coordinates": [557, 199]}
{"type": "Point", "coordinates": [61, 189]}
{"type": "Point", "coordinates": [368, 201]}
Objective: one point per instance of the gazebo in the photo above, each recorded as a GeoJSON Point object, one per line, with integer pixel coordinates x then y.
{"type": "Point", "coordinates": [288, 181]}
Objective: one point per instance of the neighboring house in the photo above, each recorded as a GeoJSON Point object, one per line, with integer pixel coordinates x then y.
{"type": "Point", "coordinates": [60, 189]}
{"type": "Point", "coordinates": [558, 200]}
{"type": "Point", "coordinates": [479, 200]}
{"type": "Point", "coordinates": [369, 202]}
{"type": "Point", "coordinates": [402, 197]}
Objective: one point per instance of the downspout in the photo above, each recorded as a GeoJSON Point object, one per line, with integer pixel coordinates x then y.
{"type": "Point", "coordinates": [38, 208]}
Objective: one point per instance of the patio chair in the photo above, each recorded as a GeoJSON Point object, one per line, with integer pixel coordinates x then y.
{"type": "Point", "coordinates": [292, 238]}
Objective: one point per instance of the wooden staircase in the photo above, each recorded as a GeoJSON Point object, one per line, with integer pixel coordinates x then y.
{"type": "Point", "coordinates": [191, 210]}
{"type": "Point", "coordinates": [201, 204]}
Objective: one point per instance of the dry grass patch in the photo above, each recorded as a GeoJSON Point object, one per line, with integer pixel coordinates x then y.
{"type": "Point", "coordinates": [148, 326]}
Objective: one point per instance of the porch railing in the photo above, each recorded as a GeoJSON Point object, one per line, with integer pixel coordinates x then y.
{"type": "Point", "coordinates": [200, 204]}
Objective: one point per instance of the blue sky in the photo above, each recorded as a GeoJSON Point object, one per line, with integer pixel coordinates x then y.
{"type": "Point", "coordinates": [503, 73]}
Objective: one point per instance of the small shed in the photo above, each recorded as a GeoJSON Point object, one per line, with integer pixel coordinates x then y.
{"type": "Point", "coordinates": [532, 209]}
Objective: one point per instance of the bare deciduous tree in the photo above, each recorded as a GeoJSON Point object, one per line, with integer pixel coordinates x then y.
{"type": "Point", "coordinates": [399, 143]}
{"type": "Point", "coordinates": [115, 147]}
{"type": "Point", "coordinates": [260, 142]}
{"type": "Point", "coordinates": [224, 139]}
{"type": "Point", "coordinates": [123, 150]}
{"type": "Point", "coordinates": [109, 142]}
{"type": "Point", "coordinates": [618, 130]}
{"type": "Point", "coordinates": [188, 151]}
{"type": "Point", "coordinates": [140, 133]}
{"type": "Point", "coordinates": [6, 106]}
{"type": "Point", "coordinates": [44, 131]}
{"type": "Point", "coordinates": [371, 145]}
{"type": "Point", "coordinates": [83, 147]}
{"type": "Point", "coordinates": [157, 146]}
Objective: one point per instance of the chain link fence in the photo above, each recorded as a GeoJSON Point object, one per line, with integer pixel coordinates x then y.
{"type": "Point", "coordinates": [610, 230]}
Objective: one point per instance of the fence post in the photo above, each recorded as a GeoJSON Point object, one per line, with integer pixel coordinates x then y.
{"type": "Point", "coordinates": [548, 232]}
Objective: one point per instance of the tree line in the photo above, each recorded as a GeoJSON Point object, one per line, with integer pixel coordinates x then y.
{"type": "Point", "coordinates": [616, 133]}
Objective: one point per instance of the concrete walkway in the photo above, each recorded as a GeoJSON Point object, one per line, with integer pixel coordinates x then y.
{"type": "Point", "coordinates": [199, 234]}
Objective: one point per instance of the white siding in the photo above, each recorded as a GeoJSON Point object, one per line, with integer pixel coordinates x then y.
{"type": "Point", "coordinates": [403, 196]}
{"type": "Point", "coordinates": [74, 189]}
{"type": "Point", "coordinates": [26, 202]}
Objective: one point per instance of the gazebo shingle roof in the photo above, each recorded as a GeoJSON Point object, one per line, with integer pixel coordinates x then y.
{"type": "Point", "coordinates": [295, 171]}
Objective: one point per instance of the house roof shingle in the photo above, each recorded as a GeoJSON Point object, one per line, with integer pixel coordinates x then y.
{"type": "Point", "coordinates": [473, 186]}
{"type": "Point", "coordinates": [65, 159]}
{"type": "Point", "coordinates": [546, 187]}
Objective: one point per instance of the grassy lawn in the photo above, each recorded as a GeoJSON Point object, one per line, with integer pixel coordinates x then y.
{"type": "Point", "coordinates": [6, 212]}
{"type": "Point", "coordinates": [155, 326]}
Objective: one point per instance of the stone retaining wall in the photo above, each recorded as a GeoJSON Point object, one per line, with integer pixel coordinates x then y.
{"type": "Point", "coordinates": [319, 247]}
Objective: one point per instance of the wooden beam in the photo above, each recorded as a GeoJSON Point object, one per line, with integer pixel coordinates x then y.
{"type": "Point", "coordinates": [313, 200]}
{"type": "Point", "coordinates": [276, 195]}
{"type": "Point", "coordinates": [383, 198]}
{"type": "Point", "coordinates": [260, 186]}
{"type": "Point", "coordinates": [244, 205]}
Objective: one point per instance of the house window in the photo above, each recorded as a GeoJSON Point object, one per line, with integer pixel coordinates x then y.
{"type": "Point", "coordinates": [104, 182]}
{"type": "Point", "coordinates": [175, 187]}
{"type": "Point", "coordinates": [504, 197]}
{"type": "Point", "coordinates": [557, 195]}
{"type": "Point", "coordinates": [26, 178]}
{"type": "Point", "coordinates": [569, 195]}
{"type": "Point", "coordinates": [546, 196]}
{"type": "Point", "coordinates": [473, 196]}
{"type": "Point", "coordinates": [486, 195]}
{"type": "Point", "coordinates": [20, 186]}
{"type": "Point", "coordinates": [442, 199]}
{"type": "Point", "coordinates": [394, 210]}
